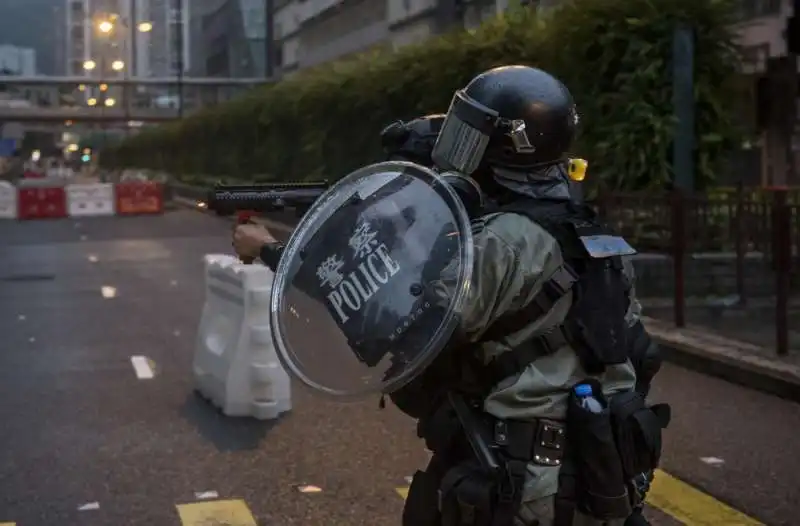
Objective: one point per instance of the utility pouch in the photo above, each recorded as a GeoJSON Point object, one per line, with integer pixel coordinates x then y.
{"type": "Point", "coordinates": [467, 496]}
{"type": "Point", "coordinates": [439, 429]}
{"type": "Point", "coordinates": [637, 428]}
{"type": "Point", "coordinates": [601, 484]}
{"type": "Point", "coordinates": [422, 503]}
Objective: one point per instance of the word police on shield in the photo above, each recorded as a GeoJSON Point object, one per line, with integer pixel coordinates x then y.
{"type": "Point", "coordinates": [375, 267]}
{"type": "Point", "coordinates": [373, 280]}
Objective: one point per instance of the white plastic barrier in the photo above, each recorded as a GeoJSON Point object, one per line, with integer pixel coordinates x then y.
{"type": "Point", "coordinates": [235, 363]}
{"type": "Point", "coordinates": [95, 199]}
{"type": "Point", "coordinates": [8, 200]}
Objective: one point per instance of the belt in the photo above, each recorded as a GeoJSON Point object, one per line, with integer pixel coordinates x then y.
{"type": "Point", "coordinates": [541, 441]}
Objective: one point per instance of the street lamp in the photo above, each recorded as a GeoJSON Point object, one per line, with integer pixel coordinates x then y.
{"type": "Point", "coordinates": [107, 26]}
{"type": "Point", "coordinates": [92, 102]}
{"type": "Point", "coordinates": [89, 65]}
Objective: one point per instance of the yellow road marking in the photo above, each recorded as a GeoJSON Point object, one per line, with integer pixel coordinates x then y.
{"type": "Point", "coordinates": [692, 506]}
{"type": "Point", "coordinates": [682, 502]}
{"type": "Point", "coordinates": [8, 524]}
{"type": "Point", "coordinates": [216, 513]}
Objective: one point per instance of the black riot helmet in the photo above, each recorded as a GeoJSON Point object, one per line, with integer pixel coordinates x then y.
{"type": "Point", "coordinates": [514, 117]}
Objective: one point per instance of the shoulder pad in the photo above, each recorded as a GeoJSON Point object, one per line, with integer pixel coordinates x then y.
{"type": "Point", "coordinates": [606, 246]}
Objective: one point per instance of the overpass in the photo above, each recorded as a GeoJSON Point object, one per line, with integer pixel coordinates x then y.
{"type": "Point", "coordinates": [81, 99]}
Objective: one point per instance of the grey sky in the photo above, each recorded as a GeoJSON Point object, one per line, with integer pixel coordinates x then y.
{"type": "Point", "coordinates": [36, 24]}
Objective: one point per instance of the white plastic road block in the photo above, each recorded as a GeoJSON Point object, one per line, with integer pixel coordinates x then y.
{"type": "Point", "coordinates": [95, 199]}
{"type": "Point", "coordinates": [8, 200]}
{"type": "Point", "coordinates": [235, 363]}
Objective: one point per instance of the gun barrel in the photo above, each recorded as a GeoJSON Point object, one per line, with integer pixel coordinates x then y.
{"type": "Point", "coordinates": [264, 197]}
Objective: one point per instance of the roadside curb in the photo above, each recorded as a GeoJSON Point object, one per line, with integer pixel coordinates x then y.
{"type": "Point", "coordinates": [737, 362]}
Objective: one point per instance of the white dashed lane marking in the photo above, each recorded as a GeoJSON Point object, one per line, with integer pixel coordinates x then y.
{"type": "Point", "coordinates": [108, 292]}
{"type": "Point", "coordinates": [712, 461]}
{"type": "Point", "coordinates": [203, 495]}
{"type": "Point", "coordinates": [143, 368]}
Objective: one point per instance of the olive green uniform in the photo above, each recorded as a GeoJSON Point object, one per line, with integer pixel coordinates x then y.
{"type": "Point", "coordinates": [514, 257]}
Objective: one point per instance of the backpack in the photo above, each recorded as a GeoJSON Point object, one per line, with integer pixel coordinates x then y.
{"type": "Point", "coordinates": [595, 325]}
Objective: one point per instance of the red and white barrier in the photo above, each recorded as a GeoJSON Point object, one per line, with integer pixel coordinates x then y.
{"type": "Point", "coordinates": [39, 200]}
{"type": "Point", "coordinates": [41, 203]}
{"type": "Point", "coordinates": [141, 197]}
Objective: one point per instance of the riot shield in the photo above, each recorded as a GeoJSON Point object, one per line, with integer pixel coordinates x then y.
{"type": "Point", "coordinates": [372, 281]}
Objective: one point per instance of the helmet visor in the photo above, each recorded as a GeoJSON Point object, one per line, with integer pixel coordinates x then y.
{"type": "Point", "coordinates": [465, 133]}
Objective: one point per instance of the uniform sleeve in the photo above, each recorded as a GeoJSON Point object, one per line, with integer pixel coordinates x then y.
{"type": "Point", "coordinates": [634, 308]}
{"type": "Point", "coordinates": [512, 254]}
{"type": "Point", "coordinates": [271, 255]}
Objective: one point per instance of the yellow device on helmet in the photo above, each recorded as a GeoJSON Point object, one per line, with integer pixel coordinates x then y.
{"type": "Point", "coordinates": [577, 169]}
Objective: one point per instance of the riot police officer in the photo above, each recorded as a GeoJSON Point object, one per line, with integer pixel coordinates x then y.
{"type": "Point", "coordinates": [551, 308]}
{"type": "Point", "coordinates": [552, 311]}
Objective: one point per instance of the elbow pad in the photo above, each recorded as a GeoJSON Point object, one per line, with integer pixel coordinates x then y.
{"type": "Point", "coordinates": [645, 356]}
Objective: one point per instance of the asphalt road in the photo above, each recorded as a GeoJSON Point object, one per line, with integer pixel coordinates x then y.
{"type": "Point", "coordinates": [83, 441]}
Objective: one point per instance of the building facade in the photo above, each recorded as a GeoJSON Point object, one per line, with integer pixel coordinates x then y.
{"type": "Point", "coordinates": [310, 32]}
{"type": "Point", "coordinates": [165, 50]}
{"type": "Point", "coordinates": [229, 38]}
{"type": "Point", "coordinates": [760, 31]}
{"type": "Point", "coordinates": [16, 60]}
{"type": "Point", "coordinates": [761, 35]}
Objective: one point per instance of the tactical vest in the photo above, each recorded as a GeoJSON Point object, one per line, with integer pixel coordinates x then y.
{"type": "Point", "coordinates": [595, 326]}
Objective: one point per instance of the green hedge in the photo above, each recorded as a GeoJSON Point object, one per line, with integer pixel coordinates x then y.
{"type": "Point", "coordinates": [615, 55]}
